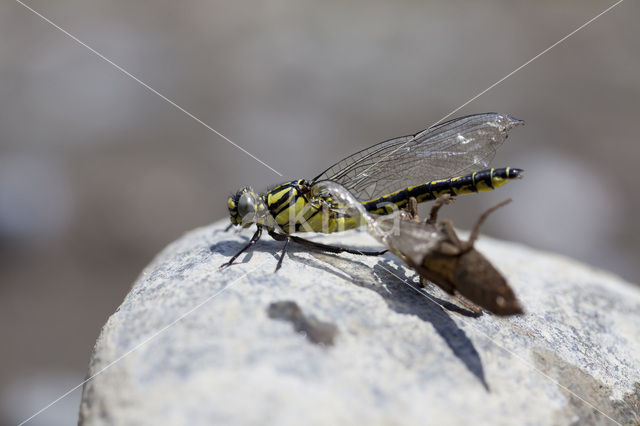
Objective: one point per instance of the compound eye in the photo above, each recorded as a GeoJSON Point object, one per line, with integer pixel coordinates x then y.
{"type": "Point", "coordinates": [246, 204]}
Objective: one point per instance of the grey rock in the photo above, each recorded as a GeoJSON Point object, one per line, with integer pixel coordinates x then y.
{"type": "Point", "coordinates": [192, 344]}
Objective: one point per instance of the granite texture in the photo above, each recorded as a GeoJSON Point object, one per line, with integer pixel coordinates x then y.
{"type": "Point", "coordinates": [218, 346]}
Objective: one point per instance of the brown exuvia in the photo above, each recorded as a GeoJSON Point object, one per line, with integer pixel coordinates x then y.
{"type": "Point", "coordinates": [455, 265]}
{"type": "Point", "coordinates": [434, 250]}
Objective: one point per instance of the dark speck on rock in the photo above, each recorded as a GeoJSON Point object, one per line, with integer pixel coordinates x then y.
{"type": "Point", "coordinates": [193, 344]}
{"type": "Point", "coordinates": [317, 331]}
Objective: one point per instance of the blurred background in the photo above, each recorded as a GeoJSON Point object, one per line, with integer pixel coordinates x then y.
{"type": "Point", "coordinates": [97, 174]}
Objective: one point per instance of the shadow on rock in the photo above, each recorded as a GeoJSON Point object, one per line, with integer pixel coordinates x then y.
{"type": "Point", "coordinates": [404, 300]}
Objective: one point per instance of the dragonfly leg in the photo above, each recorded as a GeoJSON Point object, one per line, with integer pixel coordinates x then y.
{"type": "Point", "coordinates": [284, 250]}
{"type": "Point", "coordinates": [324, 247]}
{"type": "Point", "coordinates": [253, 240]}
{"type": "Point", "coordinates": [335, 249]}
{"type": "Point", "coordinates": [280, 237]}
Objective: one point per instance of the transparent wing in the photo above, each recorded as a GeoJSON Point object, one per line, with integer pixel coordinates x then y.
{"type": "Point", "coordinates": [409, 240]}
{"type": "Point", "coordinates": [338, 199]}
{"type": "Point", "coordinates": [405, 239]}
{"type": "Point", "coordinates": [449, 149]}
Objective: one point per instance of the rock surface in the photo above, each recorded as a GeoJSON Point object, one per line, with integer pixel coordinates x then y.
{"type": "Point", "coordinates": [206, 350]}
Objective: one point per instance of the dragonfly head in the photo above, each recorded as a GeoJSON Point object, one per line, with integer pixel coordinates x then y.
{"type": "Point", "coordinates": [243, 207]}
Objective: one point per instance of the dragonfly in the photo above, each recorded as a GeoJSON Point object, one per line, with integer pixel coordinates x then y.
{"type": "Point", "coordinates": [434, 250]}
{"type": "Point", "coordinates": [448, 158]}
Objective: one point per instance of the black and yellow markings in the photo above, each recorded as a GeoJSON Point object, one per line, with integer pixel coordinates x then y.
{"type": "Point", "coordinates": [294, 212]}
{"type": "Point", "coordinates": [286, 201]}
{"type": "Point", "coordinates": [301, 206]}
{"type": "Point", "coordinates": [233, 209]}
{"type": "Point", "coordinates": [484, 180]}
{"type": "Point", "coordinates": [290, 207]}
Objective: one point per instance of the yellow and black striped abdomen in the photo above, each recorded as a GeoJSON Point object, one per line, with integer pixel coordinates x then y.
{"type": "Point", "coordinates": [484, 180]}
{"type": "Point", "coordinates": [292, 211]}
